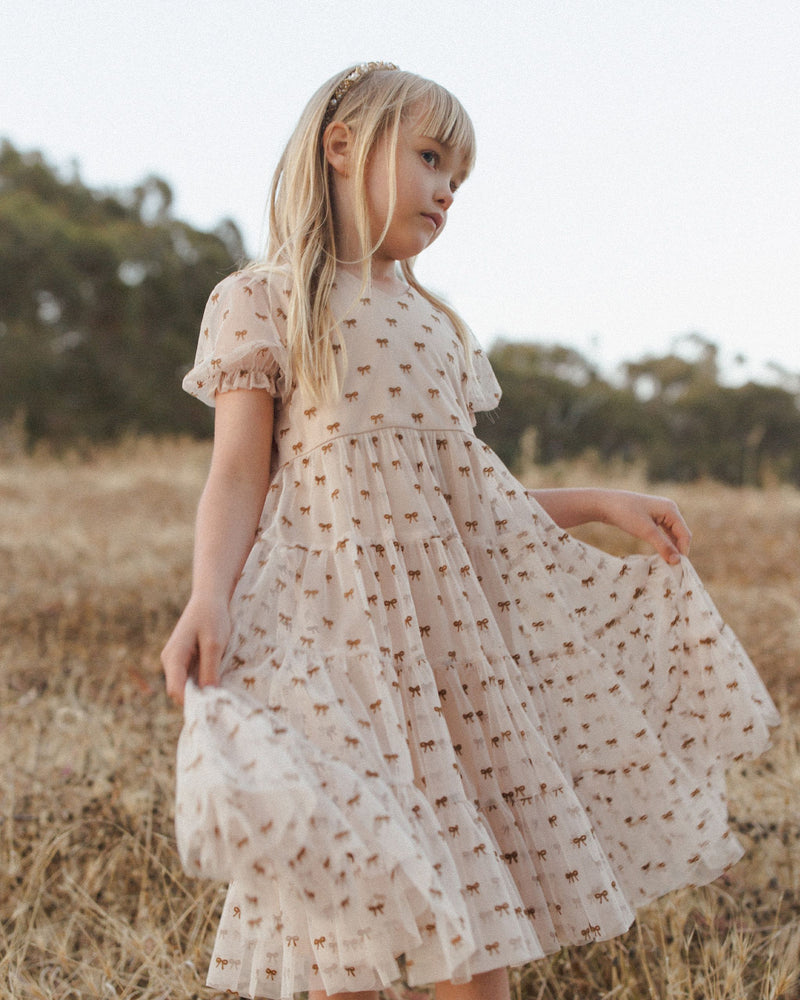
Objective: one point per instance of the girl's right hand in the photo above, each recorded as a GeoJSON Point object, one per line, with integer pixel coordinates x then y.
{"type": "Point", "coordinates": [196, 646]}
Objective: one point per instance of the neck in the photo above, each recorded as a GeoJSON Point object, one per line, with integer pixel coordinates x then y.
{"type": "Point", "coordinates": [384, 274]}
{"type": "Point", "coordinates": [383, 269]}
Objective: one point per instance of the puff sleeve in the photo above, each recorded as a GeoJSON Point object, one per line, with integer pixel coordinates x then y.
{"type": "Point", "coordinates": [483, 389]}
{"type": "Point", "coordinates": [240, 345]}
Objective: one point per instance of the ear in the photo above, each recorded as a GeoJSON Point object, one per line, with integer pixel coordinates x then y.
{"type": "Point", "coordinates": [337, 141]}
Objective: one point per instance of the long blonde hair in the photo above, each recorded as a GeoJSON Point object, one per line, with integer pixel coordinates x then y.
{"type": "Point", "coordinates": [302, 243]}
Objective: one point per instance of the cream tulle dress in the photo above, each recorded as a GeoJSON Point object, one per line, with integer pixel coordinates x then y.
{"type": "Point", "coordinates": [448, 736]}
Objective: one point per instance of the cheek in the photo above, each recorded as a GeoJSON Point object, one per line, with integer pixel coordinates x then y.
{"type": "Point", "coordinates": [378, 198]}
{"type": "Point", "coordinates": [376, 208]}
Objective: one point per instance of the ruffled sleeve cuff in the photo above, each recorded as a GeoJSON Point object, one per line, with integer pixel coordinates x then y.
{"type": "Point", "coordinates": [251, 368]}
{"type": "Point", "coordinates": [240, 344]}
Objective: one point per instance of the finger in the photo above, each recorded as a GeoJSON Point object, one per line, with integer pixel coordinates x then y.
{"type": "Point", "coordinates": [175, 689]}
{"type": "Point", "coordinates": [650, 530]}
{"type": "Point", "coordinates": [177, 666]}
{"type": "Point", "coordinates": [664, 546]}
{"type": "Point", "coordinates": [683, 537]}
{"type": "Point", "coordinates": [211, 650]}
{"type": "Point", "coordinates": [176, 671]}
{"type": "Point", "coordinates": [676, 528]}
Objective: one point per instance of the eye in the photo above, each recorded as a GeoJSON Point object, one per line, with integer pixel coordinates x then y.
{"type": "Point", "coordinates": [430, 157]}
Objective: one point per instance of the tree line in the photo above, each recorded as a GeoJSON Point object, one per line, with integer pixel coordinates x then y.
{"type": "Point", "coordinates": [670, 413]}
{"type": "Point", "coordinates": [101, 294]}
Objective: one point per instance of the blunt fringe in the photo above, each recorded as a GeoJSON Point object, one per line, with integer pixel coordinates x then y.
{"type": "Point", "coordinates": [302, 246]}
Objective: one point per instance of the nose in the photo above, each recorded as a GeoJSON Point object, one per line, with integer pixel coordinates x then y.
{"type": "Point", "coordinates": [444, 197]}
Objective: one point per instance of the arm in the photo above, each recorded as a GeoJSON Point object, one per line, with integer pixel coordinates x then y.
{"type": "Point", "coordinates": [654, 519]}
{"type": "Point", "coordinates": [227, 518]}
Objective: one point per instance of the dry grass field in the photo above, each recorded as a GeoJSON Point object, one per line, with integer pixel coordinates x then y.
{"type": "Point", "coordinates": [95, 566]}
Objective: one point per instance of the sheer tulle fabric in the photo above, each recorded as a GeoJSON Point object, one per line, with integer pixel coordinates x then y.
{"type": "Point", "coordinates": [447, 733]}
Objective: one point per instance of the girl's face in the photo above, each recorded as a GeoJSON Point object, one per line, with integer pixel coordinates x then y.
{"type": "Point", "coordinates": [428, 175]}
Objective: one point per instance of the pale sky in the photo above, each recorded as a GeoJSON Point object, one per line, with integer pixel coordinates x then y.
{"type": "Point", "coordinates": [638, 172]}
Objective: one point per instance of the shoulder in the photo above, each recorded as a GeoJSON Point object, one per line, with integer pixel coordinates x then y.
{"type": "Point", "coordinates": [250, 285]}
{"type": "Point", "coordinates": [248, 305]}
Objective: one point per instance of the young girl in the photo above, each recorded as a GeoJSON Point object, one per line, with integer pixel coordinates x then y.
{"type": "Point", "coordinates": [426, 731]}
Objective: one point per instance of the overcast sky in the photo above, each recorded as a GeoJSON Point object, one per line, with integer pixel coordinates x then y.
{"type": "Point", "coordinates": [638, 171]}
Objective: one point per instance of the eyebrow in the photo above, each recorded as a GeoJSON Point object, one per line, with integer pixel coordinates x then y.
{"type": "Point", "coordinates": [449, 147]}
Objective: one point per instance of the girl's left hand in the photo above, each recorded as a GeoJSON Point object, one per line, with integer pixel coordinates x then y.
{"type": "Point", "coordinates": [654, 519]}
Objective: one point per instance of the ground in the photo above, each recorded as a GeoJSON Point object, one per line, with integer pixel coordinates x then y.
{"type": "Point", "coordinates": [96, 553]}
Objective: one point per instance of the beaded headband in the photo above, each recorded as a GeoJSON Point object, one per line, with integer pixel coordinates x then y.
{"type": "Point", "coordinates": [362, 70]}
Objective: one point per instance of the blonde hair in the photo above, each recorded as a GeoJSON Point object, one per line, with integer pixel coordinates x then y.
{"type": "Point", "coordinates": [302, 244]}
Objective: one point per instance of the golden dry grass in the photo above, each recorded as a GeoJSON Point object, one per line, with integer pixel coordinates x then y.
{"type": "Point", "coordinates": [93, 903]}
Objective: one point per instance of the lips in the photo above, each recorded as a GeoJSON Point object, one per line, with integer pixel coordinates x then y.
{"type": "Point", "coordinates": [435, 218]}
